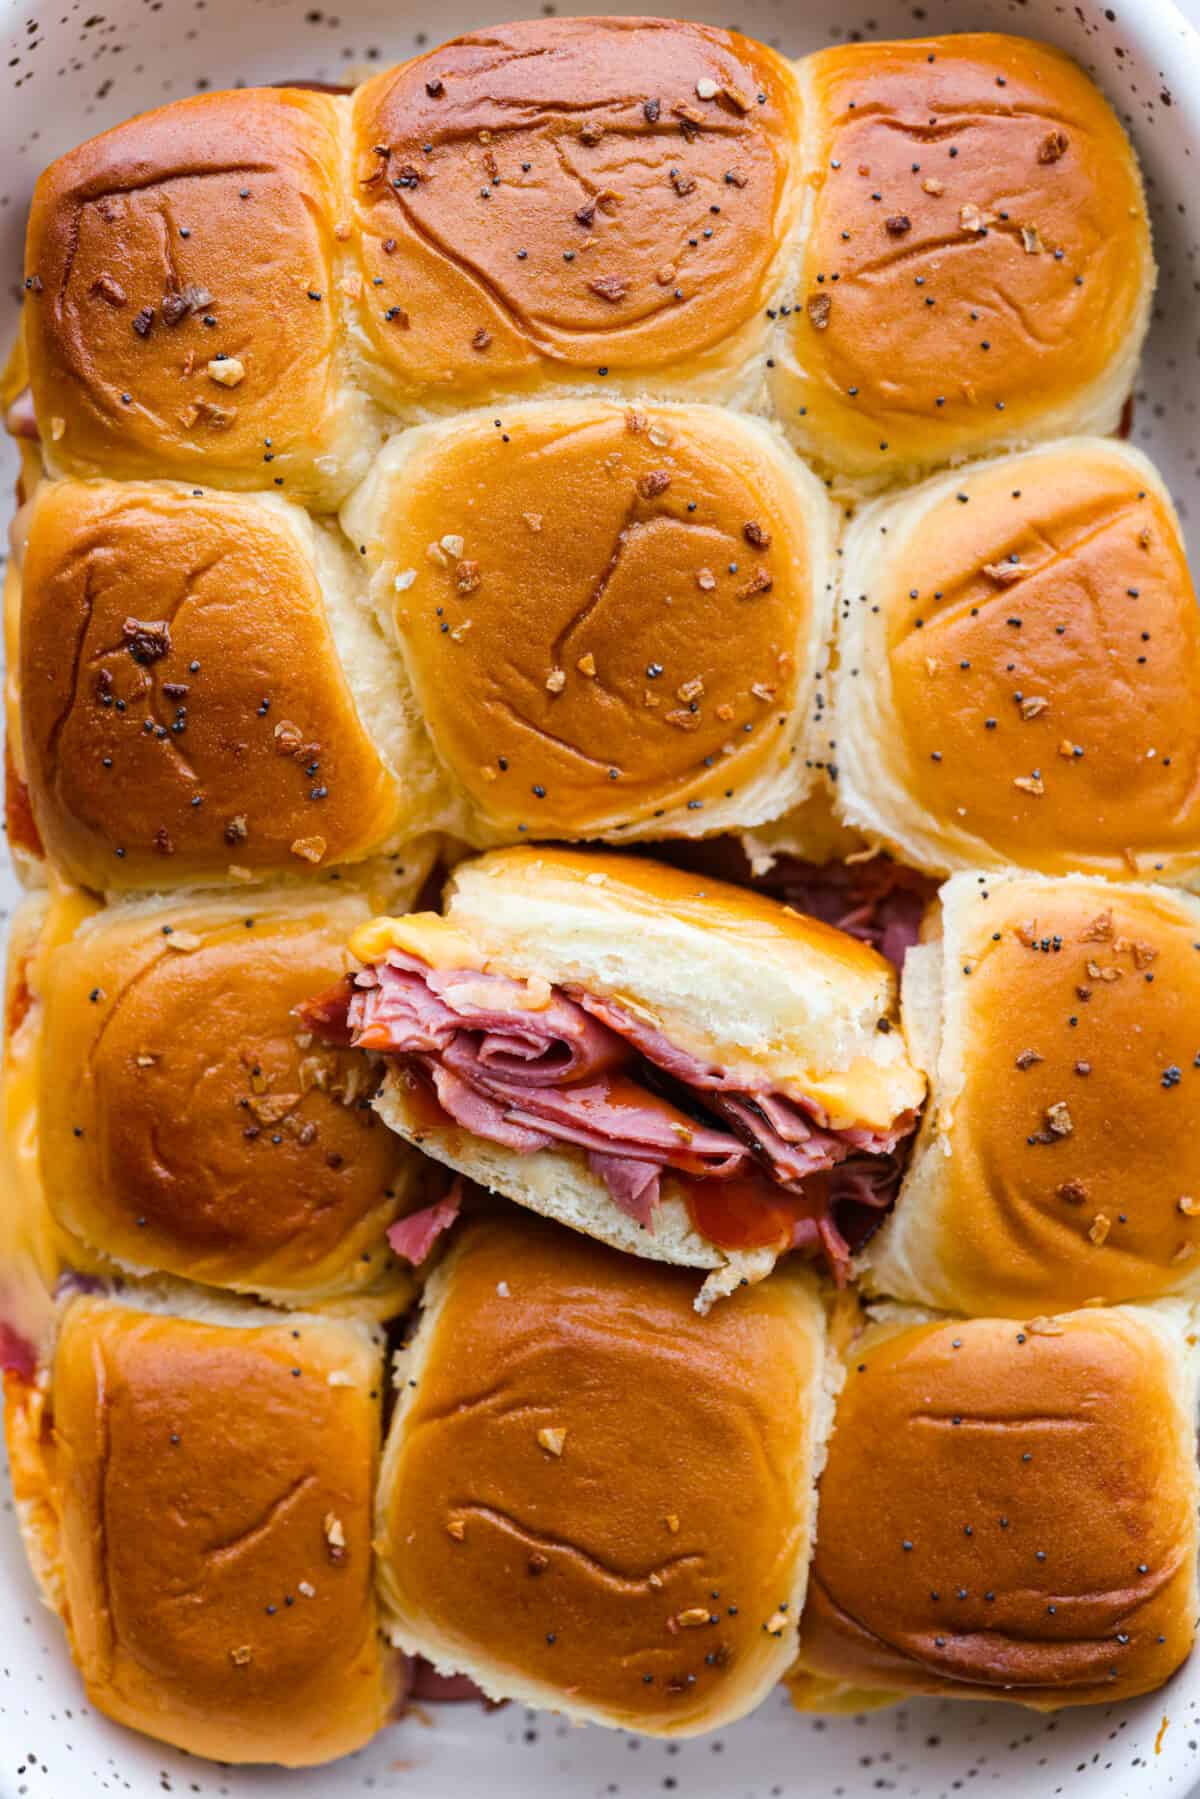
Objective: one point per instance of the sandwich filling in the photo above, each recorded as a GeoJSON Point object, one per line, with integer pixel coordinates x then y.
{"type": "Point", "coordinates": [879, 902]}
{"type": "Point", "coordinates": [531, 1066]}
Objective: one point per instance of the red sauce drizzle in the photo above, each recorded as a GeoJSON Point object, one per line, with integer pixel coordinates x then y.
{"type": "Point", "coordinates": [20, 1002]}
{"type": "Point", "coordinates": [18, 813]}
{"type": "Point", "coordinates": [751, 1212]}
{"type": "Point", "coordinates": [326, 1014]}
{"type": "Point", "coordinates": [422, 1104]}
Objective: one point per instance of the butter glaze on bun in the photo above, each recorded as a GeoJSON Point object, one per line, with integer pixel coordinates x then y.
{"type": "Point", "coordinates": [1008, 1511]}
{"type": "Point", "coordinates": [563, 201]}
{"type": "Point", "coordinates": [593, 1500]}
{"type": "Point", "coordinates": [197, 683]}
{"type": "Point", "coordinates": [612, 619]}
{"type": "Point", "coordinates": [913, 251]}
{"type": "Point", "coordinates": [203, 230]}
{"type": "Point", "coordinates": [203, 1134]}
{"type": "Point", "coordinates": [1019, 654]}
{"type": "Point", "coordinates": [1058, 1161]}
{"type": "Point", "coordinates": [975, 268]}
{"type": "Point", "coordinates": [197, 1493]}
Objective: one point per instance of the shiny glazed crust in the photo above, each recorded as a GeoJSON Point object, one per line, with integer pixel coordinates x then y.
{"type": "Point", "coordinates": [1058, 1162]}
{"type": "Point", "coordinates": [1019, 650]}
{"type": "Point", "coordinates": [204, 1133]}
{"type": "Point", "coordinates": [975, 270]}
{"type": "Point", "coordinates": [1031, 1531]}
{"type": "Point", "coordinates": [583, 202]}
{"type": "Point", "coordinates": [612, 618]}
{"type": "Point", "coordinates": [588, 1485]}
{"type": "Point", "coordinates": [246, 1631]}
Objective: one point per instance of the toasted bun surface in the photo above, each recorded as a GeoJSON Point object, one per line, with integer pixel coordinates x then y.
{"type": "Point", "coordinates": [620, 619]}
{"type": "Point", "coordinates": [202, 230]}
{"type": "Point", "coordinates": [1058, 1161]}
{"type": "Point", "coordinates": [976, 269]}
{"type": "Point", "coordinates": [1030, 1530]}
{"type": "Point", "coordinates": [1049, 594]}
{"type": "Point", "coordinates": [201, 1132]}
{"type": "Point", "coordinates": [725, 974]}
{"type": "Point", "coordinates": [184, 706]}
{"type": "Point", "coordinates": [593, 1500]}
{"type": "Point", "coordinates": [245, 1631]}
{"type": "Point", "coordinates": [595, 199]}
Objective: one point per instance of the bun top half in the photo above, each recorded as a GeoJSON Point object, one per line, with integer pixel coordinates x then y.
{"type": "Point", "coordinates": [202, 1132]}
{"type": "Point", "coordinates": [1058, 1162]}
{"type": "Point", "coordinates": [572, 200]}
{"type": "Point", "coordinates": [614, 619]}
{"type": "Point", "coordinates": [592, 1498]}
{"type": "Point", "coordinates": [186, 660]}
{"type": "Point", "coordinates": [246, 1630]}
{"type": "Point", "coordinates": [181, 313]}
{"type": "Point", "coordinates": [976, 269]}
{"type": "Point", "coordinates": [1019, 650]}
{"type": "Point", "coordinates": [1030, 1531]}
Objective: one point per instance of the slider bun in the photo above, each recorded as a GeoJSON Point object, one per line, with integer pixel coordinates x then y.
{"type": "Point", "coordinates": [559, 1184]}
{"type": "Point", "coordinates": [21, 833]}
{"type": "Point", "coordinates": [625, 634]}
{"type": "Point", "coordinates": [203, 1421]}
{"type": "Point", "coordinates": [1105, 660]}
{"type": "Point", "coordinates": [993, 172]}
{"type": "Point", "coordinates": [285, 719]}
{"type": "Point", "coordinates": [151, 218]}
{"type": "Point", "coordinates": [681, 1488]}
{"type": "Point", "coordinates": [1071, 1439]}
{"type": "Point", "coordinates": [30, 1250]}
{"type": "Point", "coordinates": [201, 1132]}
{"type": "Point", "coordinates": [725, 974]}
{"type": "Point", "coordinates": [526, 127]}
{"type": "Point", "coordinates": [1058, 1161]}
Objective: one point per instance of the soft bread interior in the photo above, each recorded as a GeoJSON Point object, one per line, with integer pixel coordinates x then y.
{"type": "Point", "coordinates": [558, 1184]}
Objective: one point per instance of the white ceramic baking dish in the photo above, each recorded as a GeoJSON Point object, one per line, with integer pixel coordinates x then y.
{"type": "Point", "coordinates": [69, 71]}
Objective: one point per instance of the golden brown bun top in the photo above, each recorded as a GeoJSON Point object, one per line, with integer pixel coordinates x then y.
{"type": "Point", "coordinates": [183, 704]}
{"type": "Point", "coordinates": [196, 230]}
{"type": "Point", "coordinates": [202, 1131]}
{"type": "Point", "coordinates": [246, 1630]}
{"type": "Point", "coordinates": [1031, 1525]}
{"type": "Point", "coordinates": [1088, 662]}
{"type": "Point", "coordinates": [594, 1484]}
{"type": "Point", "coordinates": [979, 238]}
{"type": "Point", "coordinates": [1075, 1171]}
{"type": "Point", "coordinates": [640, 164]}
{"type": "Point", "coordinates": [630, 619]}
